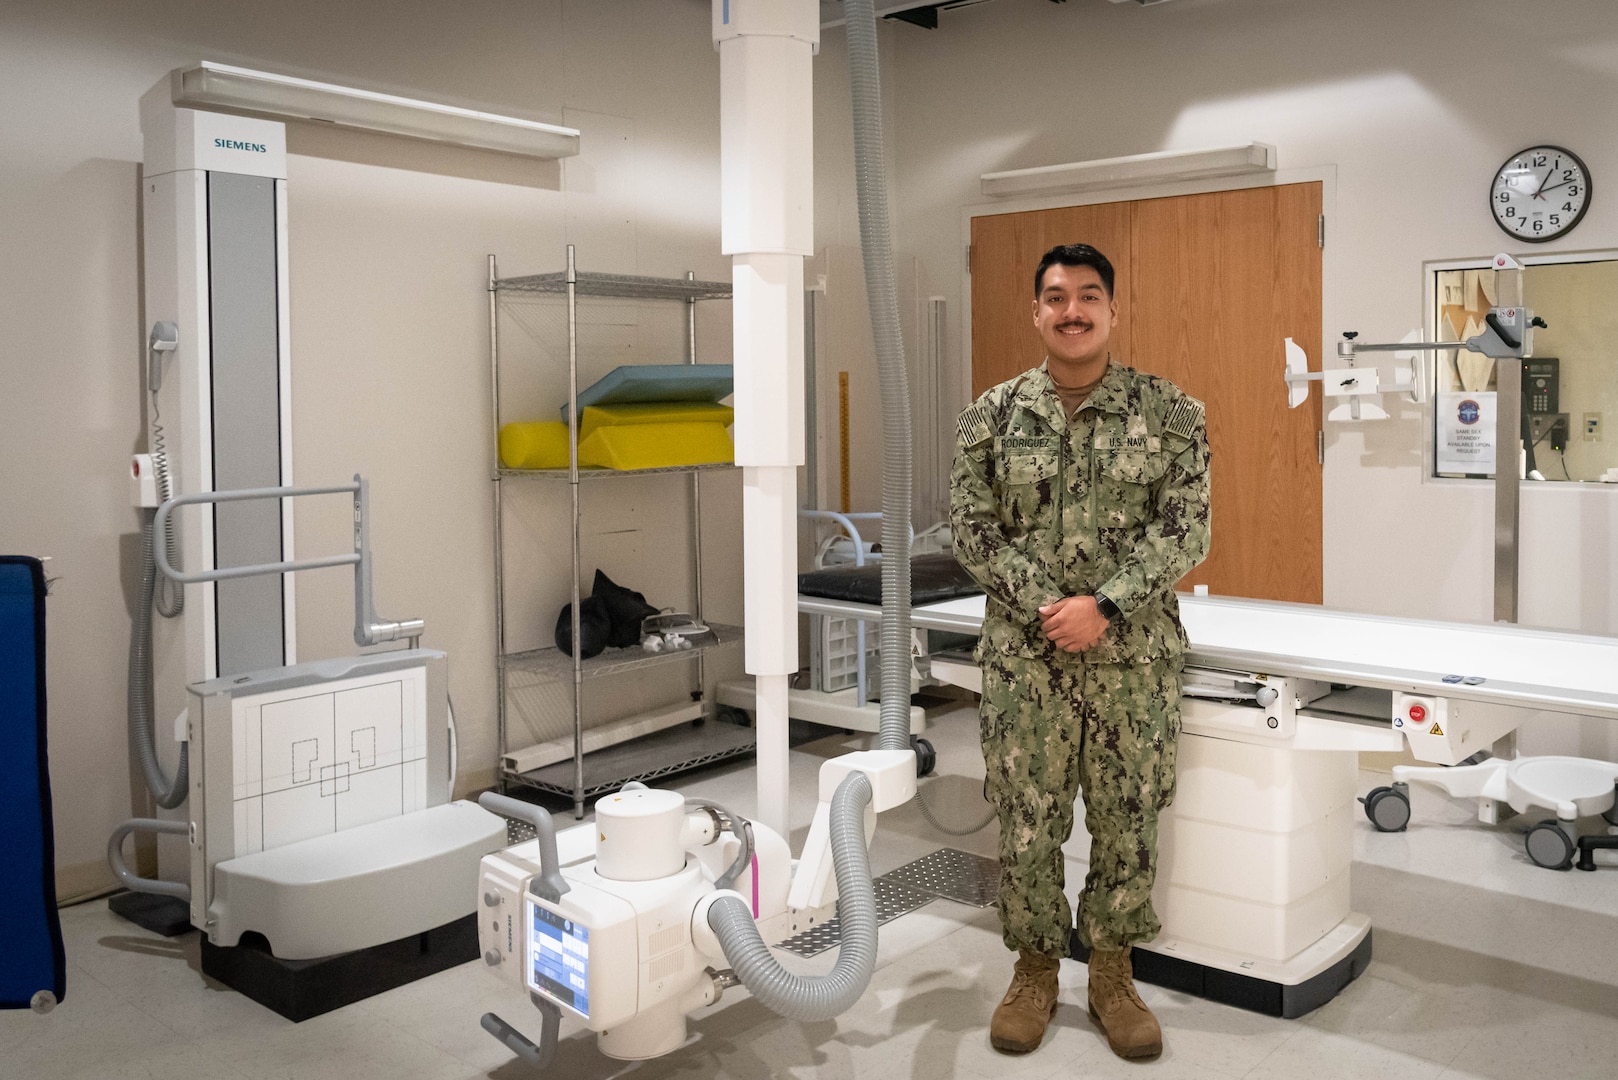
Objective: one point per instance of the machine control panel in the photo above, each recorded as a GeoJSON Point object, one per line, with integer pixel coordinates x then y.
{"type": "Point", "coordinates": [559, 949]}
{"type": "Point", "coordinates": [499, 935]}
{"type": "Point", "coordinates": [558, 958]}
{"type": "Point", "coordinates": [1448, 730]}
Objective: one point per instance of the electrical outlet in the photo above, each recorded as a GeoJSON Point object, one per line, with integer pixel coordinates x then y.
{"type": "Point", "coordinates": [1592, 427]}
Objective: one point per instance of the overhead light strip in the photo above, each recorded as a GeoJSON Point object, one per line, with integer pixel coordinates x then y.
{"type": "Point", "coordinates": [235, 89]}
{"type": "Point", "coordinates": [1162, 167]}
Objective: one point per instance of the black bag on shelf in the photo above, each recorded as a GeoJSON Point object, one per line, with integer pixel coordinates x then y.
{"type": "Point", "coordinates": [625, 609]}
{"type": "Point", "coordinates": [595, 627]}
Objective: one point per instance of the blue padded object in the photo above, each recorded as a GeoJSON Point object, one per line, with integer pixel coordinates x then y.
{"type": "Point", "coordinates": [31, 955]}
{"type": "Point", "coordinates": [659, 382]}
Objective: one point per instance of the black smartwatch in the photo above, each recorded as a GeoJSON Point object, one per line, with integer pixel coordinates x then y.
{"type": "Point", "coordinates": [1108, 609]}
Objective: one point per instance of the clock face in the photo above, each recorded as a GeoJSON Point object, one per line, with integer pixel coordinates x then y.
{"type": "Point", "coordinates": [1540, 193]}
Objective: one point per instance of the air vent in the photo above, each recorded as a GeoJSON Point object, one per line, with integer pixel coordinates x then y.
{"type": "Point", "coordinates": [667, 967]}
{"type": "Point", "coordinates": [663, 940]}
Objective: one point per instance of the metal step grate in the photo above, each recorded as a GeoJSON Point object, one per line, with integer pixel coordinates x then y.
{"type": "Point", "coordinates": [893, 899]}
{"type": "Point", "coordinates": [952, 875]}
{"type": "Point", "coordinates": [946, 874]}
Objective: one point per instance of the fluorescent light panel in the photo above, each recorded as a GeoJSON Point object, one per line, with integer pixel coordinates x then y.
{"type": "Point", "coordinates": [263, 93]}
{"type": "Point", "coordinates": [1162, 167]}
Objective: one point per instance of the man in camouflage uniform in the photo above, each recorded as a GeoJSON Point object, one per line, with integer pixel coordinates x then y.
{"type": "Point", "coordinates": [1079, 498]}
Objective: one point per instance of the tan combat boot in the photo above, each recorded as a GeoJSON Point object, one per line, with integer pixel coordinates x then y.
{"type": "Point", "coordinates": [1020, 1020]}
{"type": "Point", "coordinates": [1132, 1031]}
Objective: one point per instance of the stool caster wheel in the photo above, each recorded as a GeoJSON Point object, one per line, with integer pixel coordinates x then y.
{"type": "Point", "coordinates": [1388, 808]}
{"type": "Point", "coordinates": [926, 756]}
{"type": "Point", "coordinates": [1549, 846]}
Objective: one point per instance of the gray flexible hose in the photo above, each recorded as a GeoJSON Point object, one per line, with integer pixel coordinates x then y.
{"type": "Point", "coordinates": [168, 793]}
{"type": "Point", "coordinates": [876, 244]}
{"type": "Point", "coordinates": [813, 997]}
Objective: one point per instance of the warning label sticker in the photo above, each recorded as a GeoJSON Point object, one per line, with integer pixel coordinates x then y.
{"type": "Point", "coordinates": [1435, 729]}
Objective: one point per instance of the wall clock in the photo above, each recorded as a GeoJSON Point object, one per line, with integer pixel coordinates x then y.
{"type": "Point", "coordinates": [1540, 193]}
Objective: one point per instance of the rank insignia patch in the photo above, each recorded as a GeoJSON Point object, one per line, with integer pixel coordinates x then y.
{"type": "Point", "coordinates": [972, 426]}
{"type": "Point", "coordinates": [1183, 418]}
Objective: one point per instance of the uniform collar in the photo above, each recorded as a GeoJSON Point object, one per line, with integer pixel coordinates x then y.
{"type": "Point", "coordinates": [1038, 396]}
{"type": "Point", "coordinates": [1111, 395]}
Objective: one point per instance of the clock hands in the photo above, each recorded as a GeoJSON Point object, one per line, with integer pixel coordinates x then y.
{"type": "Point", "coordinates": [1538, 191]}
{"type": "Point", "coordinates": [1553, 187]}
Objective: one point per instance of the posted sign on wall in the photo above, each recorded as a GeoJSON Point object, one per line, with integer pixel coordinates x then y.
{"type": "Point", "coordinates": [1466, 431]}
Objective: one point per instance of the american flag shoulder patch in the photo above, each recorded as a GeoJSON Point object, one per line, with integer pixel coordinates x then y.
{"type": "Point", "coordinates": [972, 427]}
{"type": "Point", "coordinates": [1184, 417]}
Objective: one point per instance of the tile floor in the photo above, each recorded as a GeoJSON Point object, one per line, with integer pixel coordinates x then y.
{"type": "Point", "coordinates": [1485, 967]}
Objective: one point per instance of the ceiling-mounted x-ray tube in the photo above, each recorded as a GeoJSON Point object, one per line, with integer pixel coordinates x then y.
{"type": "Point", "coordinates": [766, 51]}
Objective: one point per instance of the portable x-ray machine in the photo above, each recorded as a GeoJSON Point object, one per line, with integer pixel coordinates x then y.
{"type": "Point", "coordinates": [318, 818]}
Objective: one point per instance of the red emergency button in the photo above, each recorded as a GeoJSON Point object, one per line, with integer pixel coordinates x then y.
{"type": "Point", "coordinates": [1418, 714]}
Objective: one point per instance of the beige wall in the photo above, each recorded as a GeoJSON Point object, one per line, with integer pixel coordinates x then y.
{"type": "Point", "coordinates": [390, 377]}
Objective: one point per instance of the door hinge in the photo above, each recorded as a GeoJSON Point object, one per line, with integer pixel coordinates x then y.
{"type": "Point", "coordinates": [969, 258]}
{"type": "Point", "coordinates": [1322, 235]}
{"type": "Point", "coordinates": [1320, 447]}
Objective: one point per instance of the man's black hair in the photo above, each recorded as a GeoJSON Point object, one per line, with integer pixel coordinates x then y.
{"type": "Point", "coordinates": [1074, 255]}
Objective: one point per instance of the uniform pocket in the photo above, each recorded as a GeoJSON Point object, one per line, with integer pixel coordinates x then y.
{"type": "Point", "coordinates": [1134, 466]}
{"type": "Point", "coordinates": [1030, 468]}
{"type": "Point", "coordinates": [1029, 490]}
{"type": "Point", "coordinates": [1125, 489]}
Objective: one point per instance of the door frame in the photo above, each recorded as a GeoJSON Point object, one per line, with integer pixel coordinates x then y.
{"type": "Point", "coordinates": [1333, 263]}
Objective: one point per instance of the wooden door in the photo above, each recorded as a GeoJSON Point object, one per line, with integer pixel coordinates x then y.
{"type": "Point", "coordinates": [1208, 286]}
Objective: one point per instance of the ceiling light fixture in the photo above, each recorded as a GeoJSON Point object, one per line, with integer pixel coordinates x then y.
{"type": "Point", "coordinates": [220, 87]}
{"type": "Point", "coordinates": [1162, 167]}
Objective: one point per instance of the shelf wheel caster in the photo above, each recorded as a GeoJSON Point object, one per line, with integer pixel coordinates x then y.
{"type": "Point", "coordinates": [729, 714]}
{"type": "Point", "coordinates": [926, 756]}
{"type": "Point", "coordinates": [1388, 808]}
{"type": "Point", "coordinates": [1549, 846]}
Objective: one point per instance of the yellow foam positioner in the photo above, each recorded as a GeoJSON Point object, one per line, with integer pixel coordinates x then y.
{"type": "Point", "coordinates": [656, 446]}
{"type": "Point", "coordinates": [654, 412]}
{"type": "Point", "coordinates": [538, 445]}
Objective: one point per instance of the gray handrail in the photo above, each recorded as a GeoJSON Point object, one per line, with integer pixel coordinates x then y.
{"type": "Point", "coordinates": [549, 884]}
{"type": "Point", "coordinates": [368, 629]}
{"type": "Point", "coordinates": [132, 881]}
{"type": "Point", "coordinates": [202, 576]}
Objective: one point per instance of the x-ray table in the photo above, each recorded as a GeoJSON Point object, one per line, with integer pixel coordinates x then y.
{"type": "Point", "coordinates": [1254, 855]}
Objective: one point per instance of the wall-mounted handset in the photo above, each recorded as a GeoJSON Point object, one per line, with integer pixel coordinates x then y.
{"type": "Point", "coordinates": [164, 338]}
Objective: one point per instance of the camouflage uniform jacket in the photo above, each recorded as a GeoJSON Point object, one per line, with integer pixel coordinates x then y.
{"type": "Point", "coordinates": [1114, 503]}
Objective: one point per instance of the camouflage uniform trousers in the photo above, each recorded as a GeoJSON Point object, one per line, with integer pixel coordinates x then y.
{"type": "Point", "coordinates": [1049, 733]}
